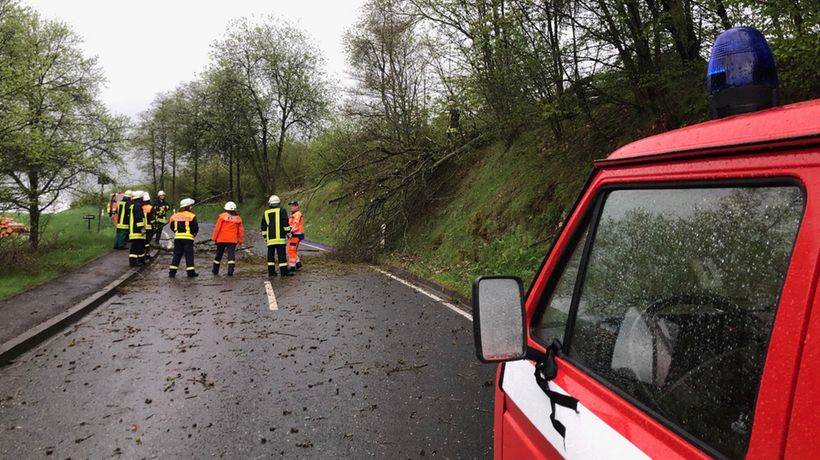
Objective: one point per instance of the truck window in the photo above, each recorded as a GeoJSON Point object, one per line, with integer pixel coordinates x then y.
{"type": "Point", "coordinates": [553, 324]}
{"type": "Point", "coordinates": [677, 300]}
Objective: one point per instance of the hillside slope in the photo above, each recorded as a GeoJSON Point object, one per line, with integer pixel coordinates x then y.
{"type": "Point", "coordinates": [497, 212]}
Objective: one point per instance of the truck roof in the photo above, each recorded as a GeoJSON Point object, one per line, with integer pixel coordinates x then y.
{"type": "Point", "coordinates": [787, 126]}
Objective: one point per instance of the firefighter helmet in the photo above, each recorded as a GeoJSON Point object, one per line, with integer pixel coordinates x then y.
{"type": "Point", "coordinates": [274, 200]}
{"type": "Point", "coordinates": [146, 197]}
{"type": "Point", "coordinates": [186, 202]}
{"type": "Point", "coordinates": [161, 193]}
{"type": "Point", "coordinates": [230, 206]}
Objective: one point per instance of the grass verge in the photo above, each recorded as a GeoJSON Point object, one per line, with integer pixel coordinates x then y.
{"type": "Point", "coordinates": [67, 241]}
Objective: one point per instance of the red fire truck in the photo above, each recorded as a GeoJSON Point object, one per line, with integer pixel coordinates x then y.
{"type": "Point", "coordinates": [674, 317]}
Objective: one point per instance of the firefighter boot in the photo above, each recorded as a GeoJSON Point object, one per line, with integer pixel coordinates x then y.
{"type": "Point", "coordinates": [271, 271]}
{"type": "Point", "coordinates": [216, 269]}
{"type": "Point", "coordinates": [192, 273]}
{"type": "Point", "coordinates": [172, 273]}
{"type": "Point", "coordinates": [230, 269]}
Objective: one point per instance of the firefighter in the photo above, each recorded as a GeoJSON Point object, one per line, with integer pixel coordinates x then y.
{"type": "Point", "coordinates": [121, 221]}
{"type": "Point", "coordinates": [275, 228]}
{"type": "Point", "coordinates": [297, 229]}
{"type": "Point", "coordinates": [136, 230]}
{"type": "Point", "coordinates": [150, 221]}
{"type": "Point", "coordinates": [227, 234]}
{"type": "Point", "coordinates": [161, 208]}
{"type": "Point", "coordinates": [185, 228]}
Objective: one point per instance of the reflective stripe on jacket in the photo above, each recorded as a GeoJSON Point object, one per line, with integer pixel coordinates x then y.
{"type": "Point", "coordinates": [184, 225]}
{"type": "Point", "coordinates": [275, 226]}
{"type": "Point", "coordinates": [228, 228]}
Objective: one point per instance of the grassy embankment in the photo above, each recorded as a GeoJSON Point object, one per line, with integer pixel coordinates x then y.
{"type": "Point", "coordinates": [66, 243]}
{"type": "Point", "coordinates": [499, 215]}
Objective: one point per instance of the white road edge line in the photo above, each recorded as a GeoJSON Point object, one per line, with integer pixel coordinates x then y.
{"type": "Point", "coordinates": [271, 296]}
{"type": "Point", "coordinates": [428, 294]}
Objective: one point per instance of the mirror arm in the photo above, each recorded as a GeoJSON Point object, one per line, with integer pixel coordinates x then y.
{"type": "Point", "coordinates": [539, 356]}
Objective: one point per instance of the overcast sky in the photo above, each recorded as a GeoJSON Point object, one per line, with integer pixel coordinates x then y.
{"type": "Point", "coordinates": [148, 47]}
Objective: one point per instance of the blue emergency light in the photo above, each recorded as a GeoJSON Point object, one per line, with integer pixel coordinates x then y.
{"type": "Point", "coordinates": [742, 76]}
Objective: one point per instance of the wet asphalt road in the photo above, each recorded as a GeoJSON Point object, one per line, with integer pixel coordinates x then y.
{"type": "Point", "coordinates": [351, 364]}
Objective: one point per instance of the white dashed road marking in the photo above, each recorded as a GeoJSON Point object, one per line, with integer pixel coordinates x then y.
{"type": "Point", "coordinates": [271, 296]}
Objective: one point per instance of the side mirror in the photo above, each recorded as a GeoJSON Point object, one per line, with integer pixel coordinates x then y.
{"type": "Point", "coordinates": [499, 319]}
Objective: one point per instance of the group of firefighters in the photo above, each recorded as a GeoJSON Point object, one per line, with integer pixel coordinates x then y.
{"type": "Point", "coordinates": [139, 221]}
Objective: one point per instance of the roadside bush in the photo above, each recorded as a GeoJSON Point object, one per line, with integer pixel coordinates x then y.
{"type": "Point", "coordinates": [15, 254]}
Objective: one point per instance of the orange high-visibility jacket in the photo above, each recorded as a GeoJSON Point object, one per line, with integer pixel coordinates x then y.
{"type": "Point", "coordinates": [297, 226]}
{"type": "Point", "coordinates": [228, 228]}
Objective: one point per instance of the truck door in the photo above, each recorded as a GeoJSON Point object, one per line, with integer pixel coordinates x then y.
{"type": "Point", "coordinates": [661, 306]}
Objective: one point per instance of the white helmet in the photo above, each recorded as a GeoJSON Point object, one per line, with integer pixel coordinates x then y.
{"type": "Point", "coordinates": [137, 194]}
{"type": "Point", "coordinates": [230, 206]}
{"type": "Point", "coordinates": [146, 197]}
{"type": "Point", "coordinates": [161, 193]}
{"type": "Point", "coordinates": [129, 193]}
{"type": "Point", "coordinates": [273, 200]}
{"type": "Point", "coordinates": [186, 202]}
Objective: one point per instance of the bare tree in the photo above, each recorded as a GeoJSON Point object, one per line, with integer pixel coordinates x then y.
{"type": "Point", "coordinates": [391, 69]}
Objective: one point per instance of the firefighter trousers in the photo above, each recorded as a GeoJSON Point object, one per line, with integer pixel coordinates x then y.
{"type": "Point", "coordinates": [220, 250]}
{"type": "Point", "coordinates": [136, 255]}
{"type": "Point", "coordinates": [293, 256]}
{"type": "Point", "coordinates": [121, 238]}
{"type": "Point", "coordinates": [158, 231]}
{"type": "Point", "coordinates": [277, 250]}
{"type": "Point", "coordinates": [183, 247]}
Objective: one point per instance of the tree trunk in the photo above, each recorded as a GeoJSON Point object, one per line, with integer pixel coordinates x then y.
{"type": "Point", "coordinates": [280, 147]}
{"type": "Point", "coordinates": [174, 175]}
{"type": "Point", "coordinates": [238, 183]}
{"type": "Point", "coordinates": [34, 209]}
{"type": "Point", "coordinates": [34, 226]}
{"type": "Point", "coordinates": [270, 188]}
{"type": "Point", "coordinates": [154, 176]}
{"type": "Point", "coordinates": [230, 174]}
{"type": "Point", "coordinates": [196, 172]}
